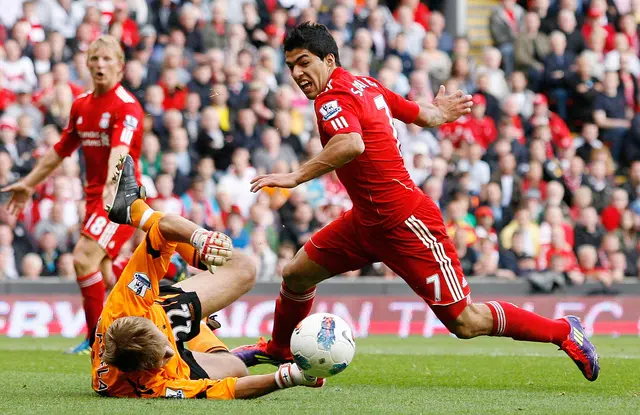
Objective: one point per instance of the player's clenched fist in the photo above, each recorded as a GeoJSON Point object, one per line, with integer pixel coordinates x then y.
{"type": "Point", "coordinates": [214, 248]}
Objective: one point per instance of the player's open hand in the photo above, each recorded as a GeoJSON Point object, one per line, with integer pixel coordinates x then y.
{"type": "Point", "coordinates": [452, 106]}
{"type": "Point", "coordinates": [20, 195]}
{"type": "Point", "coordinates": [283, 180]}
{"type": "Point", "coordinates": [214, 248]}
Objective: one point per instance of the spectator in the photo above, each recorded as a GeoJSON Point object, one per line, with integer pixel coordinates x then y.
{"type": "Point", "coordinates": [169, 165]}
{"type": "Point", "coordinates": [610, 115]}
{"type": "Point", "coordinates": [531, 49]}
{"type": "Point", "coordinates": [522, 93]}
{"type": "Point", "coordinates": [300, 229]}
{"type": "Point", "coordinates": [497, 84]}
{"type": "Point", "coordinates": [588, 263]}
{"type": "Point", "coordinates": [612, 214]}
{"type": "Point", "coordinates": [237, 180]}
{"type": "Point", "coordinates": [24, 106]}
{"type": "Point", "coordinates": [467, 255]}
{"type": "Point", "coordinates": [529, 229]}
{"type": "Point", "coordinates": [19, 151]}
{"type": "Point", "coordinates": [236, 230]}
{"type": "Point", "coordinates": [613, 60]}
{"type": "Point", "coordinates": [170, 202]}
{"type": "Point", "coordinates": [191, 116]}
{"type": "Point", "coordinates": [273, 150]}
{"type": "Point", "coordinates": [557, 66]}
{"type": "Point", "coordinates": [414, 33]}
{"type": "Point", "coordinates": [509, 181]}
{"type": "Point", "coordinates": [175, 92]}
{"type": "Point", "coordinates": [515, 259]}
{"type": "Point", "coordinates": [197, 199]}
{"type": "Point", "coordinates": [488, 259]}
{"type": "Point", "coordinates": [493, 105]}
{"type": "Point", "coordinates": [437, 26]}
{"type": "Point", "coordinates": [32, 266]}
{"type": "Point", "coordinates": [588, 230]}
{"type": "Point", "coordinates": [60, 107]}
{"type": "Point", "coordinates": [504, 24]}
{"type": "Point", "coordinates": [560, 134]}
{"type": "Point", "coordinates": [49, 254]}
{"type": "Point", "coordinates": [54, 225]}
{"type": "Point", "coordinates": [247, 133]}
{"type": "Point", "coordinates": [479, 170]}
{"type": "Point", "coordinates": [66, 272]}
{"type": "Point", "coordinates": [567, 24]}
{"type": "Point", "coordinates": [600, 185]}
{"type": "Point", "coordinates": [18, 70]}
{"type": "Point", "coordinates": [263, 256]}
{"type": "Point", "coordinates": [9, 258]}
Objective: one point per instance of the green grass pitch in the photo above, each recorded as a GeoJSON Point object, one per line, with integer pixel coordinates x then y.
{"type": "Point", "coordinates": [388, 376]}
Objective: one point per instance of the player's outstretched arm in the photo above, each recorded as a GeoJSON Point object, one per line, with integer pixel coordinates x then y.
{"type": "Point", "coordinates": [22, 190]}
{"type": "Point", "coordinates": [117, 153]}
{"type": "Point", "coordinates": [340, 150]}
{"type": "Point", "coordinates": [287, 376]}
{"type": "Point", "coordinates": [445, 108]}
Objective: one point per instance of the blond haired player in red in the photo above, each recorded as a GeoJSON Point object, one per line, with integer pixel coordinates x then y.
{"type": "Point", "coordinates": [107, 123]}
{"type": "Point", "coordinates": [392, 221]}
{"type": "Point", "coordinates": [139, 345]}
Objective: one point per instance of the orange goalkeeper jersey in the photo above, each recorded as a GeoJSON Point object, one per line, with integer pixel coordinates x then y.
{"type": "Point", "coordinates": [134, 295]}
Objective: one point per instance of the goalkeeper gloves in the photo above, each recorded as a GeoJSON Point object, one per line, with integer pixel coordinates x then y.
{"type": "Point", "coordinates": [289, 375]}
{"type": "Point", "coordinates": [214, 248]}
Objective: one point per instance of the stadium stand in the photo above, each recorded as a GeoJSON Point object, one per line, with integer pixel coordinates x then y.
{"type": "Point", "coordinates": [543, 176]}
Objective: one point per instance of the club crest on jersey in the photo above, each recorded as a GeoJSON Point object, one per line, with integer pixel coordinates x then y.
{"type": "Point", "coordinates": [329, 110]}
{"type": "Point", "coordinates": [140, 284]}
{"type": "Point", "coordinates": [104, 120]}
{"type": "Point", "coordinates": [79, 120]}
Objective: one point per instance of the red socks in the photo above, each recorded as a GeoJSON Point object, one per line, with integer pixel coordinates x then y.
{"type": "Point", "coordinates": [93, 292]}
{"type": "Point", "coordinates": [291, 308]}
{"type": "Point", "coordinates": [519, 324]}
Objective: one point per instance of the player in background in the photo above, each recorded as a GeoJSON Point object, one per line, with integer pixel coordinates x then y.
{"type": "Point", "coordinates": [107, 123]}
{"type": "Point", "coordinates": [392, 221]}
{"type": "Point", "coordinates": [139, 347]}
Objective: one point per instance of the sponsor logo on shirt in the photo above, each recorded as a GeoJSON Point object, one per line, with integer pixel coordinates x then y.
{"type": "Point", "coordinates": [140, 284]}
{"type": "Point", "coordinates": [329, 110]}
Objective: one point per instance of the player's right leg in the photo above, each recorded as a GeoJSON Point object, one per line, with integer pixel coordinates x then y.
{"type": "Point", "coordinates": [332, 250]}
{"type": "Point", "coordinates": [87, 256]}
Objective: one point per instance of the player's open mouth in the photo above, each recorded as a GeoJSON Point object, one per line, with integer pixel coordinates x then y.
{"type": "Point", "coordinates": [305, 86]}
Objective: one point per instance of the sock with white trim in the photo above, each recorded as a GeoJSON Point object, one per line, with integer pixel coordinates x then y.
{"type": "Point", "coordinates": [93, 291]}
{"type": "Point", "coordinates": [519, 324]}
{"type": "Point", "coordinates": [142, 216]}
{"type": "Point", "coordinates": [291, 308]}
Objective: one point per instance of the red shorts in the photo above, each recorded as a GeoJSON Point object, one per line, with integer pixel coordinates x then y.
{"type": "Point", "coordinates": [418, 250]}
{"type": "Point", "coordinates": [109, 235]}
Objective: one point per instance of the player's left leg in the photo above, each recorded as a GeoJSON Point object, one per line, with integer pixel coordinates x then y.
{"type": "Point", "coordinates": [219, 290]}
{"type": "Point", "coordinates": [424, 256]}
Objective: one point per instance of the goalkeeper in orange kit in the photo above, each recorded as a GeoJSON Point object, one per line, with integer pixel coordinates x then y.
{"type": "Point", "coordinates": [139, 345]}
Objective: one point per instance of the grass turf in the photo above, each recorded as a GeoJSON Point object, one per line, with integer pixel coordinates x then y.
{"type": "Point", "coordinates": [388, 375]}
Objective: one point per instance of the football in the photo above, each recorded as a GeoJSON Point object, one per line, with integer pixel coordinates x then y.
{"type": "Point", "coordinates": [322, 345]}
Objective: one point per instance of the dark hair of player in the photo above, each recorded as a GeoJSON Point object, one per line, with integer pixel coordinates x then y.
{"type": "Point", "coordinates": [313, 37]}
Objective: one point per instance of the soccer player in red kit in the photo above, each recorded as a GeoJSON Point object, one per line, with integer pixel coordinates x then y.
{"type": "Point", "coordinates": [107, 123]}
{"type": "Point", "coordinates": [392, 221]}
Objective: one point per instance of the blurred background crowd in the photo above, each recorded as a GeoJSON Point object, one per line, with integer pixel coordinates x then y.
{"type": "Point", "coordinates": [544, 175]}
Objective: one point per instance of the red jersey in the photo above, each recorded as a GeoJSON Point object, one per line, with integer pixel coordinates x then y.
{"type": "Point", "coordinates": [99, 124]}
{"type": "Point", "coordinates": [471, 129]}
{"type": "Point", "coordinates": [377, 181]}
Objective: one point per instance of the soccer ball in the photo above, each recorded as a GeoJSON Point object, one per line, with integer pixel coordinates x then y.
{"type": "Point", "coordinates": [322, 345]}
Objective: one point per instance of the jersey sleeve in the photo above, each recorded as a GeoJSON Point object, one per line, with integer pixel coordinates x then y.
{"type": "Point", "coordinates": [401, 109]}
{"type": "Point", "coordinates": [128, 124]}
{"type": "Point", "coordinates": [138, 286]}
{"type": "Point", "coordinates": [338, 112]}
{"type": "Point", "coordinates": [69, 139]}
{"type": "Point", "coordinates": [219, 389]}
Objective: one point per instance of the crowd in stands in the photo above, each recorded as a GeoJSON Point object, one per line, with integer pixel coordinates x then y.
{"type": "Point", "coordinates": [543, 175]}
